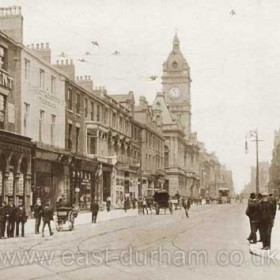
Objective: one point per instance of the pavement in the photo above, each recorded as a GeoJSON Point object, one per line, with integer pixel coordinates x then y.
{"type": "Point", "coordinates": [85, 218]}
{"type": "Point", "coordinates": [210, 244]}
{"type": "Point", "coordinates": [274, 252]}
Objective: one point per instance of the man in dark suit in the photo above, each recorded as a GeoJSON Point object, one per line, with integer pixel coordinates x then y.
{"type": "Point", "coordinates": [253, 212]}
{"type": "Point", "coordinates": [94, 211]}
{"type": "Point", "coordinates": [47, 215]}
{"type": "Point", "coordinates": [37, 215]}
{"type": "Point", "coordinates": [9, 219]}
{"type": "Point", "coordinates": [267, 215]}
{"type": "Point", "coordinates": [2, 221]}
{"type": "Point", "coordinates": [20, 218]}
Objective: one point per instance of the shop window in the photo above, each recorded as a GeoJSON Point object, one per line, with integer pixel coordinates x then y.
{"type": "Point", "coordinates": [3, 58]}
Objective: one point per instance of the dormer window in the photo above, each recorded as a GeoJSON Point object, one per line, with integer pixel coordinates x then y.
{"type": "Point", "coordinates": [175, 65]}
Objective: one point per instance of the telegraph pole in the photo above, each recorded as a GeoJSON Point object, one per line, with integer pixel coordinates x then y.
{"type": "Point", "coordinates": [255, 134]}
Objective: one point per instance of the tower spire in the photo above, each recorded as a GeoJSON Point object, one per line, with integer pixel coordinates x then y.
{"type": "Point", "coordinates": [176, 42]}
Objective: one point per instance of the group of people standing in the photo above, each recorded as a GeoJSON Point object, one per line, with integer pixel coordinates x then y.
{"type": "Point", "coordinates": [11, 218]}
{"type": "Point", "coordinates": [261, 211]}
{"type": "Point", "coordinates": [42, 213]}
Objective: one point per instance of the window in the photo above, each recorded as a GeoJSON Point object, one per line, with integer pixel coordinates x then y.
{"type": "Point", "coordinates": [26, 118]}
{"type": "Point", "coordinates": [53, 130]}
{"type": "Point", "coordinates": [98, 113]}
{"type": "Point", "coordinates": [53, 84]}
{"type": "Point", "coordinates": [70, 99]}
{"type": "Point", "coordinates": [41, 124]}
{"type": "Point", "coordinates": [3, 58]}
{"type": "Point", "coordinates": [2, 110]}
{"type": "Point", "coordinates": [92, 111]}
{"type": "Point", "coordinates": [86, 107]}
{"type": "Point", "coordinates": [77, 138]}
{"type": "Point", "coordinates": [91, 142]}
{"type": "Point", "coordinates": [26, 69]}
{"type": "Point", "coordinates": [69, 140]}
{"type": "Point", "coordinates": [78, 103]}
{"type": "Point", "coordinates": [114, 120]}
{"type": "Point", "coordinates": [42, 79]}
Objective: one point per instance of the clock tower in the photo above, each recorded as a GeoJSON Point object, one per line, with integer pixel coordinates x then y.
{"type": "Point", "coordinates": [176, 87]}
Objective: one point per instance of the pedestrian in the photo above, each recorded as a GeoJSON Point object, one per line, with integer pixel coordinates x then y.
{"type": "Point", "coordinates": [20, 218]}
{"type": "Point", "coordinates": [140, 205]}
{"type": "Point", "coordinates": [2, 221]}
{"type": "Point", "coordinates": [94, 211]}
{"type": "Point", "coordinates": [108, 204]}
{"type": "Point", "coordinates": [267, 215]}
{"type": "Point", "coordinates": [144, 205]}
{"type": "Point", "coordinates": [134, 201]}
{"type": "Point", "coordinates": [253, 212]}
{"type": "Point", "coordinates": [186, 206]}
{"type": "Point", "coordinates": [10, 219]}
{"type": "Point", "coordinates": [47, 216]}
{"type": "Point", "coordinates": [37, 215]}
{"type": "Point", "coordinates": [170, 206]}
{"type": "Point", "coordinates": [126, 204]}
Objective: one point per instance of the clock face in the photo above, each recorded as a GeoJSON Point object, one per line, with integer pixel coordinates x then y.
{"type": "Point", "coordinates": [175, 92]}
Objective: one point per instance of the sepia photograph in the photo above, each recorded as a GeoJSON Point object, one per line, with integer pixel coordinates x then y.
{"type": "Point", "coordinates": [139, 139]}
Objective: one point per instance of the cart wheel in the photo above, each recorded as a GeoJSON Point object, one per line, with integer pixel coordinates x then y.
{"type": "Point", "coordinates": [59, 227]}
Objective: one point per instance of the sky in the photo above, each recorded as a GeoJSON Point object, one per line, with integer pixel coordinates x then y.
{"type": "Point", "coordinates": [234, 60]}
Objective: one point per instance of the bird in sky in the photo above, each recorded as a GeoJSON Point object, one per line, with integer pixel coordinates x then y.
{"type": "Point", "coordinates": [153, 78]}
{"type": "Point", "coordinates": [87, 53]}
{"type": "Point", "coordinates": [232, 12]}
{"type": "Point", "coordinates": [95, 43]}
{"type": "Point", "coordinates": [116, 53]}
{"type": "Point", "coordinates": [62, 54]}
{"type": "Point", "coordinates": [82, 60]}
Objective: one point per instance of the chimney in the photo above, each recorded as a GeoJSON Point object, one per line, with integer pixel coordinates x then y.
{"type": "Point", "coordinates": [11, 23]}
{"type": "Point", "coordinates": [85, 82]}
{"type": "Point", "coordinates": [67, 68]}
{"type": "Point", "coordinates": [43, 51]}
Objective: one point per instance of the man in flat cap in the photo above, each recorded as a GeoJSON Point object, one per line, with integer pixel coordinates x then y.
{"type": "Point", "coordinates": [267, 215]}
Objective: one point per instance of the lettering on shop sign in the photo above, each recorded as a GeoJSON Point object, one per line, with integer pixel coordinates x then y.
{"type": "Point", "coordinates": [49, 100]}
{"type": "Point", "coordinates": [5, 80]}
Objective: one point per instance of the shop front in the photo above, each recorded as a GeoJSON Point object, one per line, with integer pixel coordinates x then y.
{"type": "Point", "coordinates": [15, 168]}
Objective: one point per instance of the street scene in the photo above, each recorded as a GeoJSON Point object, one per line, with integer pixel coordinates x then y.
{"type": "Point", "coordinates": [139, 139]}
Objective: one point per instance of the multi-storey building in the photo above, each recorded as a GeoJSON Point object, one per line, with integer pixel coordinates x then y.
{"type": "Point", "coordinates": [172, 109]}
{"type": "Point", "coordinates": [15, 150]}
{"type": "Point", "coordinates": [152, 149]}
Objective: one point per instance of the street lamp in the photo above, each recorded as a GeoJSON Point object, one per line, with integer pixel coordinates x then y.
{"type": "Point", "coordinates": [254, 134]}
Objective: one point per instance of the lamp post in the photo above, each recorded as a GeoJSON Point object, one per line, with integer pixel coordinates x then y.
{"type": "Point", "coordinates": [255, 135]}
